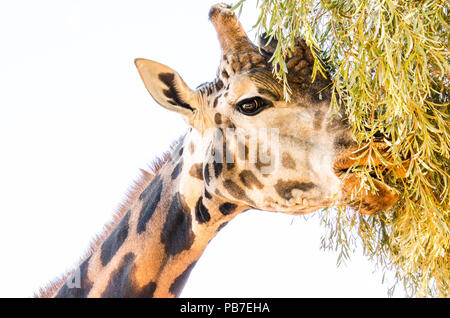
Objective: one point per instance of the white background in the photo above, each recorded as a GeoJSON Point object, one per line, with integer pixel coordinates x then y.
{"type": "Point", "coordinates": [76, 124]}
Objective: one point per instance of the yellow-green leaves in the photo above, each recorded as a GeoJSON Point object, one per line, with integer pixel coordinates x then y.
{"type": "Point", "coordinates": [389, 60]}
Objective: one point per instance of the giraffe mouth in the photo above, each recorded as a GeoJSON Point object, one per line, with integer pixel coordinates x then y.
{"type": "Point", "coordinates": [349, 173]}
{"type": "Point", "coordinates": [342, 173]}
{"type": "Point", "coordinates": [354, 187]}
{"type": "Point", "coordinates": [299, 204]}
{"type": "Point", "coordinates": [356, 158]}
{"type": "Point", "coordinates": [296, 208]}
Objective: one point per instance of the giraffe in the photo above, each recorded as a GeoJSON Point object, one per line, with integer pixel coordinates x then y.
{"type": "Point", "coordinates": [222, 167]}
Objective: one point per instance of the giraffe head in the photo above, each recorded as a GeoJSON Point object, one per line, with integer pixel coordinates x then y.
{"type": "Point", "coordinates": [259, 150]}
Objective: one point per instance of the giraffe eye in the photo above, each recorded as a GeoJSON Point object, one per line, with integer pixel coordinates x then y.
{"type": "Point", "coordinates": [251, 106]}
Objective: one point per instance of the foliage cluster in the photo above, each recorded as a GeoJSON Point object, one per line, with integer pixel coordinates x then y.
{"type": "Point", "coordinates": [389, 63]}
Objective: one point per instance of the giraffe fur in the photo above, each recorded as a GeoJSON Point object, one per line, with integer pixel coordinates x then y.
{"type": "Point", "coordinates": [221, 167]}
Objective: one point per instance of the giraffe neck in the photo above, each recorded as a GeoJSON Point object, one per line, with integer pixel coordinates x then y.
{"type": "Point", "coordinates": [152, 250]}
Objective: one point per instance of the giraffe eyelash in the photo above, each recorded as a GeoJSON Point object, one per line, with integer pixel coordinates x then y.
{"type": "Point", "coordinates": [253, 105]}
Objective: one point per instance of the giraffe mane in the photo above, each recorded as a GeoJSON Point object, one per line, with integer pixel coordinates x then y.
{"type": "Point", "coordinates": [136, 188]}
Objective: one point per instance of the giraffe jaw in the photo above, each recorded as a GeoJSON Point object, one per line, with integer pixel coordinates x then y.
{"type": "Point", "coordinates": [357, 195]}
{"type": "Point", "coordinates": [299, 205]}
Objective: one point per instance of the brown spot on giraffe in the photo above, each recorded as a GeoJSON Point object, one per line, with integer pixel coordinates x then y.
{"type": "Point", "coordinates": [216, 100]}
{"type": "Point", "coordinates": [249, 179]}
{"type": "Point", "coordinates": [224, 74]}
{"type": "Point", "coordinates": [236, 191]}
{"type": "Point", "coordinates": [218, 119]}
{"type": "Point", "coordinates": [196, 171]}
{"type": "Point", "coordinates": [287, 161]}
{"type": "Point", "coordinates": [177, 234]}
{"type": "Point", "coordinates": [284, 188]}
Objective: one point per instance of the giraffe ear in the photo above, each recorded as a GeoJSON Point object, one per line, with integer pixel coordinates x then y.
{"type": "Point", "coordinates": [267, 45]}
{"type": "Point", "coordinates": [167, 87]}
